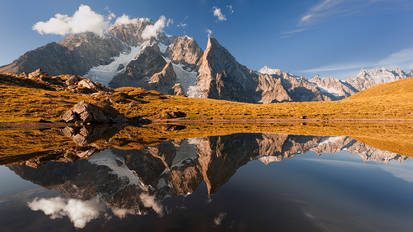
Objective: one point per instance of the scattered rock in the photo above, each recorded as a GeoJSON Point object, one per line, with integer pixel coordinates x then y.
{"type": "Point", "coordinates": [173, 114]}
{"type": "Point", "coordinates": [72, 80]}
{"type": "Point", "coordinates": [177, 90]}
{"type": "Point", "coordinates": [37, 74]}
{"type": "Point", "coordinates": [88, 84]}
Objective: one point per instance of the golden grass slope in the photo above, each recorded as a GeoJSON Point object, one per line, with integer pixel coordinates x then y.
{"type": "Point", "coordinates": [27, 103]}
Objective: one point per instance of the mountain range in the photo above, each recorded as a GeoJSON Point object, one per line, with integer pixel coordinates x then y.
{"type": "Point", "coordinates": [177, 65]}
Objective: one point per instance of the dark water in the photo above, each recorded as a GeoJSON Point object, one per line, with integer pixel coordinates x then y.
{"type": "Point", "coordinates": [242, 182]}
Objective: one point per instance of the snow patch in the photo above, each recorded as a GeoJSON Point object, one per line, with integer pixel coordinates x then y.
{"type": "Point", "coordinates": [185, 152]}
{"type": "Point", "coordinates": [329, 140]}
{"type": "Point", "coordinates": [118, 167]}
{"type": "Point", "coordinates": [187, 79]}
{"type": "Point", "coordinates": [162, 47]}
{"type": "Point", "coordinates": [332, 91]}
{"type": "Point", "coordinates": [105, 73]}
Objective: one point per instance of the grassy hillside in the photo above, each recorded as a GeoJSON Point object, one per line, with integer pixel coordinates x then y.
{"type": "Point", "coordinates": [31, 103]}
{"type": "Point", "coordinates": [387, 101]}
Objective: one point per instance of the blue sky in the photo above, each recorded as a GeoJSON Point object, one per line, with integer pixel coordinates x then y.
{"type": "Point", "coordinates": [329, 37]}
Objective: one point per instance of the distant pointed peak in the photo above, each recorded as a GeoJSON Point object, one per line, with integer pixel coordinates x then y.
{"type": "Point", "coordinates": [269, 71]}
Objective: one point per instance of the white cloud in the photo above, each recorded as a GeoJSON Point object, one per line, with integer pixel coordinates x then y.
{"type": "Point", "coordinates": [111, 16]}
{"type": "Point", "coordinates": [86, 20]}
{"type": "Point", "coordinates": [403, 58]}
{"type": "Point", "coordinates": [125, 19]}
{"type": "Point", "coordinates": [332, 8]}
{"type": "Point", "coordinates": [152, 31]}
{"type": "Point", "coordinates": [209, 31]}
{"type": "Point", "coordinates": [231, 9]}
{"type": "Point", "coordinates": [79, 212]}
{"type": "Point", "coordinates": [83, 20]}
{"type": "Point", "coordinates": [334, 67]}
{"type": "Point", "coordinates": [324, 8]}
{"type": "Point", "coordinates": [218, 13]}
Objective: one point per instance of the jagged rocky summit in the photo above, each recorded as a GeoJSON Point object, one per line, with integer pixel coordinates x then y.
{"type": "Point", "coordinates": [178, 65]}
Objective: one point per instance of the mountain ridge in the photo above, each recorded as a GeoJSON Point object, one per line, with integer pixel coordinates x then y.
{"type": "Point", "coordinates": [214, 73]}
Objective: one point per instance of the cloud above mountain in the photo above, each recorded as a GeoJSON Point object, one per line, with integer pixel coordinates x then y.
{"type": "Point", "coordinates": [83, 20]}
{"type": "Point", "coordinates": [218, 13]}
{"type": "Point", "coordinates": [152, 31]}
{"type": "Point", "coordinates": [87, 20]}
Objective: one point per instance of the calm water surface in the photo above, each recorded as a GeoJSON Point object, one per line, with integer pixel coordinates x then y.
{"type": "Point", "coordinates": [241, 182]}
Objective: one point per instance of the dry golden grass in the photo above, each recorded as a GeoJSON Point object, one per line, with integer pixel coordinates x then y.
{"type": "Point", "coordinates": [387, 101]}
{"type": "Point", "coordinates": [31, 104]}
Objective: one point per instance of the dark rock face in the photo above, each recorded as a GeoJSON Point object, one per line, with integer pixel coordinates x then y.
{"type": "Point", "coordinates": [138, 72]}
{"type": "Point", "coordinates": [149, 70]}
{"type": "Point", "coordinates": [53, 58]}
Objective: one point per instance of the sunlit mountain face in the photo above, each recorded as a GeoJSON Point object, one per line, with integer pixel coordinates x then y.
{"type": "Point", "coordinates": [248, 181]}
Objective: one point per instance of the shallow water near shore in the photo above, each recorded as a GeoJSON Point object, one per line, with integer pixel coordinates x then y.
{"type": "Point", "coordinates": [238, 182]}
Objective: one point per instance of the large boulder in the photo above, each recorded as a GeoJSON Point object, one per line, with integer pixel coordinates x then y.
{"type": "Point", "coordinates": [86, 113]}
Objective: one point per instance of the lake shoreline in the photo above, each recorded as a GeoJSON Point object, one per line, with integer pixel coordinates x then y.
{"type": "Point", "coordinates": [47, 125]}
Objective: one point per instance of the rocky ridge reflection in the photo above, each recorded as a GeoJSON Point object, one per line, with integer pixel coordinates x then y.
{"type": "Point", "coordinates": [137, 181]}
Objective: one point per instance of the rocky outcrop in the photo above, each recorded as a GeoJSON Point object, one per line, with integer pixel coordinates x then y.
{"type": "Point", "coordinates": [177, 90]}
{"type": "Point", "coordinates": [87, 113]}
{"type": "Point", "coordinates": [184, 50]}
{"type": "Point", "coordinates": [41, 79]}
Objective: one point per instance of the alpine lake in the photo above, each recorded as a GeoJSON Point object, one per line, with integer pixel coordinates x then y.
{"type": "Point", "coordinates": [258, 177]}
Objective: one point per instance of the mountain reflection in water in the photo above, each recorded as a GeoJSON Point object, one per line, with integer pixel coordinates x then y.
{"type": "Point", "coordinates": [233, 182]}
